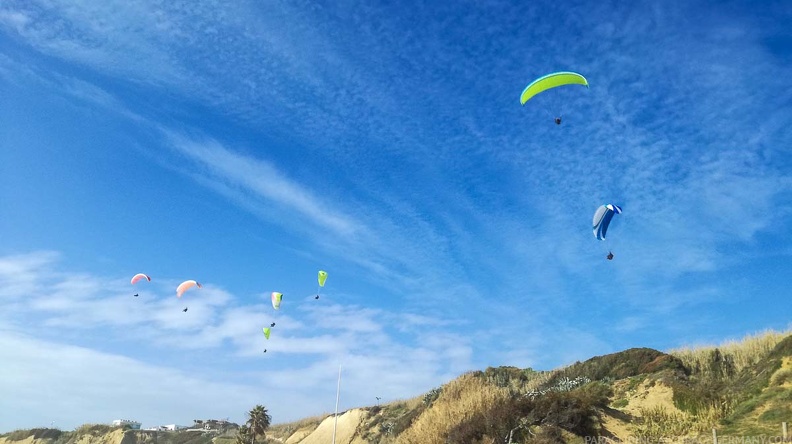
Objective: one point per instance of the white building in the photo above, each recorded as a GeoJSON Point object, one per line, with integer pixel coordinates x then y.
{"type": "Point", "coordinates": [127, 422]}
{"type": "Point", "coordinates": [173, 427]}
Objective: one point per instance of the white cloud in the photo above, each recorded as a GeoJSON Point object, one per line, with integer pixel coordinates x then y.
{"type": "Point", "coordinates": [91, 352]}
{"type": "Point", "coordinates": [46, 381]}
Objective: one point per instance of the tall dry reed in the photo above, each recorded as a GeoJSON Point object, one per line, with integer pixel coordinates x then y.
{"type": "Point", "coordinates": [743, 353]}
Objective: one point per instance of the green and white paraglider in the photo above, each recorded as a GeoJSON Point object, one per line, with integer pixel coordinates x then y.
{"type": "Point", "coordinates": [276, 300]}
{"type": "Point", "coordinates": [322, 277]}
{"type": "Point", "coordinates": [549, 81]}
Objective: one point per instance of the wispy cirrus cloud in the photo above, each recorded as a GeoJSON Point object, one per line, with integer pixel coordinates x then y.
{"type": "Point", "coordinates": [262, 179]}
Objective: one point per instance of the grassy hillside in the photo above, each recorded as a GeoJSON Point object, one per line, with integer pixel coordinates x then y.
{"type": "Point", "coordinates": [105, 434]}
{"type": "Point", "coordinates": [741, 388]}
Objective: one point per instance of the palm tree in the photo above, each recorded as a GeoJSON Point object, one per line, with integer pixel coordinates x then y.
{"type": "Point", "coordinates": [258, 422]}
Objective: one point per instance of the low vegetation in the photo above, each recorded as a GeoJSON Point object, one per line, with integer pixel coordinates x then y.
{"type": "Point", "coordinates": [41, 433]}
{"type": "Point", "coordinates": [741, 388]}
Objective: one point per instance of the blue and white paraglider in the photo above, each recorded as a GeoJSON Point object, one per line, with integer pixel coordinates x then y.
{"type": "Point", "coordinates": [602, 220]}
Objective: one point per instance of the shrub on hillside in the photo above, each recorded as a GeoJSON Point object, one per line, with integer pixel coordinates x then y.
{"type": "Point", "coordinates": [506, 376]}
{"type": "Point", "coordinates": [432, 395]}
{"type": "Point", "coordinates": [38, 433]}
{"type": "Point", "coordinates": [501, 422]}
{"type": "Point", "coordinates": [94, 429]}
{"type": "Point", "coordinates": [574, 410]}
{"type": "Point", "coordinates": [548, 435]}
{"type": "Point", "coordinates": [632, 362]}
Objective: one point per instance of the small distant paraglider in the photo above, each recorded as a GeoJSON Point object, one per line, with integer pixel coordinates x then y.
{"type": "Point", "coordinates": [138, 277]}
{"type": "Point", "coordinates": [185, 309]}
{"type": "Point", "coordinates": [135, 295]}
{"type": "Point", "coordinates": [322, 277]}
{"type": "Point", "coordinates": [272, 325]}
{"type": "Point", "coordinates": [184, 286]}
{"type": "Point", "coordinates": [266, 331]}
{"type": "Point", "coordinates": [549, 81]}
{"type": "Point", "coordinates": [276, 300]}
{"type": "Point", "coordinates": [602, 220]}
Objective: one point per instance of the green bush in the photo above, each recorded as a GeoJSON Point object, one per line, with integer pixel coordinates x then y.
{"type": "Point", "coordinates": [619, 403]}
{"type": "Point", "coordinates": [776, 414]}
{"type": "Point", "coordinates": [432, 395]}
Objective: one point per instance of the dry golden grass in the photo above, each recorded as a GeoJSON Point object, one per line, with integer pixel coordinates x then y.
{"type": "Point", "coordinates": [471, 395]}
{"type": "Point", "coordinates": [409, 404]}
{"type": "Point", "coordinates": [290, 427]}
{"type": "Point", "coordinates": [462, 398]}
{"type": "Point", "coordinates": [540, 379]}
{"type": "Point", "coordinates": [710, 416]}
{"type": "Point", "coordinates": [744, 353]}
{"type": "Point", "coordinates": [659, 422]}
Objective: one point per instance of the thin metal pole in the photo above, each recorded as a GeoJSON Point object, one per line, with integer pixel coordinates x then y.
{"type": "Point", "coordinates": [338, 395]}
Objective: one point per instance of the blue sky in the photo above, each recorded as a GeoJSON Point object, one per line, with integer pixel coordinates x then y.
{"type": "Point", "coordinates": [247, 146]}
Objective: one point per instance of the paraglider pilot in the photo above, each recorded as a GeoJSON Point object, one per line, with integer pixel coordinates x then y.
{"type": "Point", "coordinates": [558, 120]}
{"type": "Point", "coordinates": [610, 256]}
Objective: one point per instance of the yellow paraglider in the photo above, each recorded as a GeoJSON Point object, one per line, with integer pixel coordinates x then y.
{"type": "Point", "coordinates": [551, 81]}
{"type": "Point", "coordinates": [322, 278]}
{"type": "Point", "coordinates": [266, 331]}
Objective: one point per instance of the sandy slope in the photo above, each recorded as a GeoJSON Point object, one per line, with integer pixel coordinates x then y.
{"type": "Point", "coordinates": [348, 423]}
{"type": "Point", "coordinates": [645, 396]}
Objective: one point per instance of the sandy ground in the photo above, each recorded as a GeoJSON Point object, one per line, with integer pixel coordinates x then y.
{"type": "Point", "coordinates": [348, 423]}
{"type": "Point", "coordinates": [645, 397]}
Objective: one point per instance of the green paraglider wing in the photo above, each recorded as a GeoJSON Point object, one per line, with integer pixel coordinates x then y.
{"type": "Point", "coordinates": [551, 81]}
{"type": "Point", "coordinates": [322, 277]}
{"type": "Point", "coordinates": [266, 331]}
